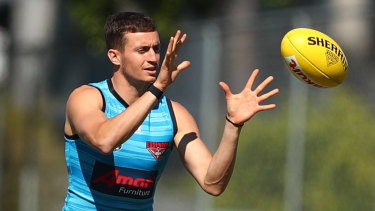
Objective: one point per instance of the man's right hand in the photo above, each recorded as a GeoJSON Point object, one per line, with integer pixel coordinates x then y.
{"type": "Point", "coordinates": [169, 70]}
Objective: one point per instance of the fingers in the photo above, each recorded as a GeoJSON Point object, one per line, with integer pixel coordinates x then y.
{"type": "Point", "coordinates": [263, 85]}
{"type": "Point", "coordinates": [175, 42]}
{"type": "Point", "coordinates": [267, 107]}
{"type": "Point", "coordinates": [260, 89]}
{"type": "Point", "coordinates": [251, 80]}
{"type": "Point", "coordinates": [180, 42]}
{"type": "Point", "coordinates": [175, 39]}
{"type": "Point", "coordinates": [268, 95]}
{"type": "Point", "coordinates": [170, 46]}
{"type": "Point", "coordinates": [174, 46]}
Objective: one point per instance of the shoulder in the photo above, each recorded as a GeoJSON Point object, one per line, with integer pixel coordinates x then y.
{"type": "Point", "coordinates": [76, 104]}
{"type": "Point", "coordinates": [84, 91]}
{"type": "Point", "coordinates": [179, 109]}
{"type": "Point", "coordinates": [87, 94]}
{"type": "Point", "coordinates": [184, 118]}
{"type": "Point", "coordinates": [83, 102]}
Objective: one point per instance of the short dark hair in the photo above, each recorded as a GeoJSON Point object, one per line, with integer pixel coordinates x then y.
{"type": "Point", "coordinates": [117, 25]}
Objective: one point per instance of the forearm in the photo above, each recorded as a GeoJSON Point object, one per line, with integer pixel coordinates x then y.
{"type": "Point", "coordinates": [115, 131]}
{"type": "Point", "coordinates": [221, 166]}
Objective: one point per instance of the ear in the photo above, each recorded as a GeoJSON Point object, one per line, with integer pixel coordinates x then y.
{"type": "Point", "coordinates": [114, 56]}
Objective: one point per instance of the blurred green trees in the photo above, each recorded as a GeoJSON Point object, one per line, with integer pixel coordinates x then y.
{"type": "Point", "coordinates": [90, 18]}
{"type": "Point", "coordinates": [339, 165]}
{"type": "Point", "coordinates": [340, 149]}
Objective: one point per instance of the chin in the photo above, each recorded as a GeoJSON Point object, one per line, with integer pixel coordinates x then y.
{"type": "Point", "coordinates": [151, 80]}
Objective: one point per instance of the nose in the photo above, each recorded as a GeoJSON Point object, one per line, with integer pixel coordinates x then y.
{"type": "Point", "coordinates": [153, 55]}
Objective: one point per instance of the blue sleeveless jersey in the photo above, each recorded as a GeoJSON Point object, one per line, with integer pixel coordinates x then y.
{"type": "Point", "coordinates": [127, 178]}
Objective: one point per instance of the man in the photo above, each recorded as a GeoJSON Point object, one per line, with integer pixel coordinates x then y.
{"type": "Point", "coordinates": [120, 132]}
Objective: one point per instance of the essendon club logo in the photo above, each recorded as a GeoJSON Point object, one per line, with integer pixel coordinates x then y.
{"type": "Point", "coordinates": [157, 149]}
{"type": "Point", "coordinates": [125, 182]}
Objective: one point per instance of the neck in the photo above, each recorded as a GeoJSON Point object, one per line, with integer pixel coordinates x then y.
{"type": "Point", "coordinates": [129, 91]}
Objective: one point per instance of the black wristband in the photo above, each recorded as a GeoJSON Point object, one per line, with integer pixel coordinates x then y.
{"type": "Point", "coordinates": [155, 91]}
{"type": "Point", "coordinates": [233, 123]}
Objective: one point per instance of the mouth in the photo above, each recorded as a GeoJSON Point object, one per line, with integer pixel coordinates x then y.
{"type": "Point", "coordinates": [151, 70]}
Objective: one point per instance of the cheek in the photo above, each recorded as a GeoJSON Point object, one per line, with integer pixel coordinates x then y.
{"type": "Point", "coordinates": [135, 61]}
{"type": "Point", "coordinates": [133, 64]}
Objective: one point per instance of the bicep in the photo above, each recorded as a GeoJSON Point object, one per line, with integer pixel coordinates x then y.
{"type": "Point", "coordinates": [193, 152]}
{"type": "Point", "coordinates": [84, 114]}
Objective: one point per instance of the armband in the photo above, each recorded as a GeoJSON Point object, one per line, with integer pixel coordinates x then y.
{"type": "Point", "coordinates": [155, 91]}
{"type": "Point", "coordinates": [233, 123]}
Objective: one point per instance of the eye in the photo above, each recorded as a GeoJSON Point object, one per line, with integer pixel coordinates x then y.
{"type": "Point", "coordinates": [157, 48]}
{"type": "Point", "coordinates": [143, 50]}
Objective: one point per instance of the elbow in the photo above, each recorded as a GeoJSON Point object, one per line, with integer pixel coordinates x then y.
{"type": "Point", "coordinates": [105, 150]}
{"type": "Point", "coordinates": [105, 144]}
{"type": "Point", "coordinates": [102, 146]}
{"type": "Point", "coordinates": [215, 193]}
{"type": "Point", "coordinates": [215, 190]}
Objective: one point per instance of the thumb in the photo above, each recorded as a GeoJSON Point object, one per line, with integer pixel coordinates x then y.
{"type": "Point", "coordinates": [183, 65]}
{"type": "Point", "coordinates": [225, 88]}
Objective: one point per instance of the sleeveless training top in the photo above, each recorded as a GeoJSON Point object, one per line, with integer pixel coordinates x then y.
{"type": "Point", "coordinates": [127, 178]}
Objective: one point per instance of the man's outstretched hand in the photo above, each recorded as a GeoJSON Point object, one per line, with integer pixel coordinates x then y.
{"type": "Point", "coordinates": [242, 106]}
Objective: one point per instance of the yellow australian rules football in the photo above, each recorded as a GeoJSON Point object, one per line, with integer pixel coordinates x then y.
{"type": "Point", "coordinates": [314, 58]}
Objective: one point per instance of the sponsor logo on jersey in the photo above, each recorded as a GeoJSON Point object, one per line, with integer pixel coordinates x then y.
{"type": "Point", "coordinates": [157, 149]}
{"type": "Point", "coordinates": [125, 182]}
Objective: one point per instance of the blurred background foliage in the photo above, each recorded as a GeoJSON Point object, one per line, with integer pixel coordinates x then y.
{"type": "Point", "coordinates": [339, 161]}
{"type": "Point", "coordinates": [339, 138]}
{"type": "Point", "coordinates": [90, 18]}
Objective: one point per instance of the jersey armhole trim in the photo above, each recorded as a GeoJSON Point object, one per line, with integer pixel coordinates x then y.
{"type": "Point", "coordinates": [101, 93]}
{"type": "Point", "coordinates": [173, 117]}
{"type": "Point", "coordinates": [71, 137]}
{"type": "Point", "coordinates": [117, 96]}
